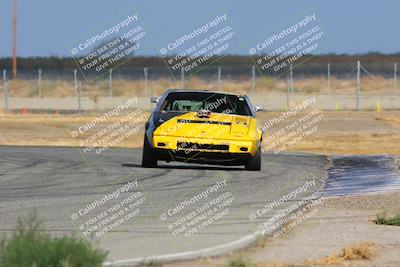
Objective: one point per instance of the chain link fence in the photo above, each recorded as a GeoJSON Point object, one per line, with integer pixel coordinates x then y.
{"type": "Point", "coordinates": [340, 86]}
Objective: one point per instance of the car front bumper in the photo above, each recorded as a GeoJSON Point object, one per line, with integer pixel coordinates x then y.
{"type": "Point", "coordinates": [193, 144]}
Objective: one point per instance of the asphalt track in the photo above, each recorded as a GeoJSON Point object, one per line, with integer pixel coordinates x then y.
{"type": "Point", "coordinates": [356, 174]}
{"type": "Point", "coordinates": [58, 182]}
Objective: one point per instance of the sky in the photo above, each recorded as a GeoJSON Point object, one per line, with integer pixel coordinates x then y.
{"type": "Point", "coordinates": [47, 27]}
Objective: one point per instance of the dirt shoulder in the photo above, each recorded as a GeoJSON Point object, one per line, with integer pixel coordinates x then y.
{"type": "Point", "coordinates": [344, 132]}
{"type": "Point", "coordinates": [338, 223]}
{"type": "Point", "coordinates": [337, 133]}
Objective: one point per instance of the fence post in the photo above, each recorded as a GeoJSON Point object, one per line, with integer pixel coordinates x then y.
{"type": "Point", "coordinates": [395, 77]}
{"type": "Point", "coordinates": [358, 86]}
{"type": "Point", "coordinates": [288, 94]}
{"type": "Point", "coordinates": [40, 82]}
{"type": "Point", "coordinates": [253, 78]}
{"type": "Point", "coordinates": [5, 90]}
{"type": "Point", "coordinates": [79, 96]}
{"type": "Point", "coordinates": [329, 78]}
{"type": "Point", "coordinates": [145, 73]}
{"type": "Point", "coordinates": [291, 78]}
{"type": "Point", "coordinates": [75, 82]}
{"type": "Point", "coordinates": [151, 94]}
{"type": "Point", "coordinates": [182, 78]}
{"type": "Point", "coordinates": [219, 79]}
{"type": "Point", "coordinates": [110, 84]}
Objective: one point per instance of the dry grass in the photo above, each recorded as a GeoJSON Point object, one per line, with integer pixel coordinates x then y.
{"type": "Point", "coordinates": [368, 133]}
{"type": "Point", "coordinates": [30, 88]}
{"type": "Point", "coordinates": [360, 251]}
{"type": "Point", "coordinates": [241, 261]}
{"type": "Point", "coordinates": [52, 130]}
{"type": "Point", "coordinates": [393, 120]}
{"type": "Point", "coordinates": [62, 88]}
{"type": "Point", "coordinates": [349, 143]}
{"type": "Point", "coordinates": [329, 139]}
{"type": "Point", "coordinates": [275, 264]}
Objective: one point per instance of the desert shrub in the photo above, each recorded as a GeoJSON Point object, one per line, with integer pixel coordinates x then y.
{"type": "Point", "coordinates": [30, 246]}
{"type": "Point", "coordinates": [241, 262]}
{"type": "Point", "coordinates": [383, 219]}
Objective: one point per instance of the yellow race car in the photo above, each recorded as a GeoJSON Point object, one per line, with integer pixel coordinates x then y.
{"type": "Point", "coordinates": [199, 126]}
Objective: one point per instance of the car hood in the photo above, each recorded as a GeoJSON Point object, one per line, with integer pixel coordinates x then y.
{"type": "Point", "coordinates": [216, 126]}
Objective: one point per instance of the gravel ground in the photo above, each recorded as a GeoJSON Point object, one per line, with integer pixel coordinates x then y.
{"type": "Point", "coordinates": [339, 222]}
{"type": "Point", "coordinates": [387, 203]}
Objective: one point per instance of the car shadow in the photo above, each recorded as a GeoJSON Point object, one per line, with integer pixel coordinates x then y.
{"type": "Point", "coordinates": [186, 167]}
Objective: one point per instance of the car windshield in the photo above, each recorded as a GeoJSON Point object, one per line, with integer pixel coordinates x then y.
{"type": "Point", "coordinates": [195, 101]}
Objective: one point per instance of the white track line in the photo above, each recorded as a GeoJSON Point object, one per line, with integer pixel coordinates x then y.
{"type": "Point", "coordinates": [194, 254]}
{"type": "Point", "coordinates": [212, 251]}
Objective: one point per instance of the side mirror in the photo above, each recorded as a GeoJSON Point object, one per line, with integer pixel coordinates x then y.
{"type": "Point", "coordinates": [258, 108]}
{"type": "Point", "coordinates": [154, 99]}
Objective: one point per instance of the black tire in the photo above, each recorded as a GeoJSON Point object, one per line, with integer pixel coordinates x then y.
{"type": "Point", "coordinates": [254, 164]}
{"type": "Point", "coordinates": [148, 157]}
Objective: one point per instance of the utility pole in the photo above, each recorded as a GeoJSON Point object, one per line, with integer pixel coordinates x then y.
{"type": "Point", "coordinates": [14, 61]}
{"type": "Point", "coordinates": [358, 86]}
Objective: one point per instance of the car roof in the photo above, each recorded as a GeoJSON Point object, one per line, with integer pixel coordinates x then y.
{"type": "Point", "coordinates": [201, 91]}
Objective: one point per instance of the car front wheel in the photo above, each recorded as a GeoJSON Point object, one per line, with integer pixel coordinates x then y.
{"type": "Point", "coordinates": [148, 157]}
{"type": "Point", "coordinates": [254, 164]}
